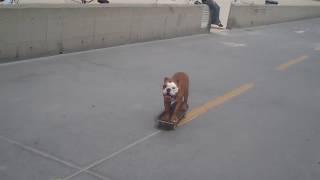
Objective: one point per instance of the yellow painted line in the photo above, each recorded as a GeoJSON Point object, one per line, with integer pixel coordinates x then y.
{"type": "Point", "coordinates": [215, 103]}
{"type": "Point", "coordinates": [285, 66]}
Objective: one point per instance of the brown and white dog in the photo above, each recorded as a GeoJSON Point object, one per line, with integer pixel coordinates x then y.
{"type": "Point", "coordinates": [175, 94]}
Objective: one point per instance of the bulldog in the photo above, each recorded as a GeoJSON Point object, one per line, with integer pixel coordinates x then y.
{"type": "Point", "coordinates": [175, 92]}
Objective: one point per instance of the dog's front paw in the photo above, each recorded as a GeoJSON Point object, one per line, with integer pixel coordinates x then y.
{"type": "Point", "coordinates": [174, 119]}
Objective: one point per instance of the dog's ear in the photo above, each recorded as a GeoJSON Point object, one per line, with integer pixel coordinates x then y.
{"type": "Point", "coordinates": [166, 79]}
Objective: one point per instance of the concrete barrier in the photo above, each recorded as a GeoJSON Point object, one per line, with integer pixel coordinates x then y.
{"type": "Point", "coordinates": [254, 15]}
{"type": "Point", "coordinates": [40, 30]}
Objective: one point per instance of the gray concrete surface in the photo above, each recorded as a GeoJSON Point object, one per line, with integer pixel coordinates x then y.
{"type": "Point", "coordinates": [91, 115]}
{"type": "Point", "coordinates": [242, 15]}
{"type": "Point", "coordinates": [40, 30]}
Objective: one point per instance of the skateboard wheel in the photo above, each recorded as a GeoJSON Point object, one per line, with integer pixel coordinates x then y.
{"type": "Point", "coordinates": [159, 125]}
{"type": "Point", "coordinates": [175, 126]}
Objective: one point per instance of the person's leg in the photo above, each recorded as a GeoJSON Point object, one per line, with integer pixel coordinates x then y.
{"type": "Point", "coordinates": [217, 15]}
{"type": "Point", "coordinates": [212, 15]}
{"type": "Point", "coordinates": [216, 11]}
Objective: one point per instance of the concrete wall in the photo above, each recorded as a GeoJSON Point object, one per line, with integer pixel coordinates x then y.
{"type": "Point", "coordinates": [38, 30]}
{"type": "Point", "coordinates": [255, 15]}
{"type": "Point", "coordinates": [249, 1]}
{"type": "Point", "coordinates": [281, 2]}
{"type": "Point", "coordinates": [220, 2]}
{"type": "Point", "coordinates": [112, 1]}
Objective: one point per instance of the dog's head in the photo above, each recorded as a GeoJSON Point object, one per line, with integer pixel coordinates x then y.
{"type": "Point", "coordinates": [170, 88]}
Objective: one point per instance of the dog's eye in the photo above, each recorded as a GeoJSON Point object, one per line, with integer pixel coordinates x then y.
{"type": "Point", "coordinates": [164, 86]}
{"type": "Point", "coordinates": [173, 87]}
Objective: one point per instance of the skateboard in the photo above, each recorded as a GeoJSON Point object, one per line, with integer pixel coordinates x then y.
{"type": "Point", "coordinates": [170, 124]}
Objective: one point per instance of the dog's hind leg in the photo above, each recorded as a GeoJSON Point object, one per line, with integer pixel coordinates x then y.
{"type": "Point", "coordinates": [185, 106]}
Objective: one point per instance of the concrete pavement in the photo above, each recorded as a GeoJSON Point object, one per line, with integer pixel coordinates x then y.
{"type": "Point", "coordinates": [91, 115]}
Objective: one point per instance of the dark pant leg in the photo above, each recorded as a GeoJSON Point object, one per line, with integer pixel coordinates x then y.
{"type": "Point", "coordinates": [215, 14]}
